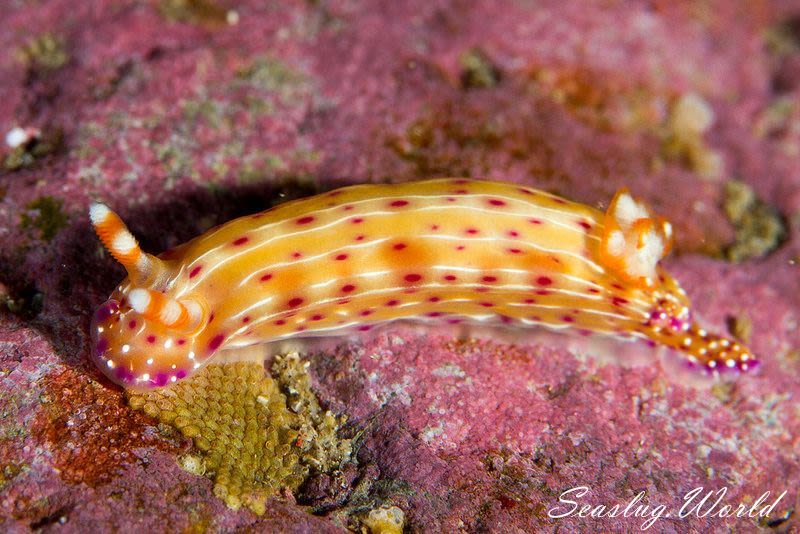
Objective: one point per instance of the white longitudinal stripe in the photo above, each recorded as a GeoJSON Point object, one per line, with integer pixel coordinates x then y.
{"type": "Point", "coordinates": [395, 290]}
{"type": "Point", "coordinates": [257, 244]}
{"type": "Point", "coordinates": [436, 196]}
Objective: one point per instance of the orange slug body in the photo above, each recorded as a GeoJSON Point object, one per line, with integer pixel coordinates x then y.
{"type": "Point", "coordinates": [446, 251]}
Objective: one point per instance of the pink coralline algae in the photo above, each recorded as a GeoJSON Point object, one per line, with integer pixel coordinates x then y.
{"type": "Point", "coordinates": [185, 115]}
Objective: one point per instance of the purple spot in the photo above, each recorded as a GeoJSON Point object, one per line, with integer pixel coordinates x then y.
{"type": "Point", "coordinates": [181, 341]}
{"type": "Point", "coordinates": [434, 227]}
{"type": "Point", "coordinates": [393, 303]}
{"type": "Point", "coordinates": [618, 301]}
{"type": "Point", "coordinates": [101, 347]}
{"type": "Point", "coordinates": [535, 221]}
{"type": "Point", "coordinates": [530, 301]}
{"type": "Point", "coordinates": [450, 277]}
{"type": "Point", "coordinates": [434, 299]}
{"type": "Point", "coordinates": [296, 254]}
{"type": "Point", "coordinates": [305, 220]}
{"type": "Point", "coordinates": [241, 241]}
{"type": "Point", "coordinates": [398, 203]}
{"type": "Point", "coordinates": [195, 271]}
{"type": "Point", "coordinates": [514, 251]}
{"type": "Point", "coordinates": [280, 322]}
{"type": "Point", "coordinates": [132, 324]}
{"type": "Point", "coordinates": [348, 288]}
{"type": "Point", "coordinates": [593, 290]}
{"type": "Point", "coordinates": [489, 279]}
{"type": "Point", "coordinates": [180, 374]}
{"type": "Point", "coordinates": [151, 338]}
{"type": "Point", "coordinates": [487, 304]}
{"type": "Point", "coordinates": [434, 314]}
{"type": "Point", "coordinates": [544, 281]}
{"type": "Point", "coordinates": [317, 317]}
{"type": "Point", "coordinates": [542, 292]}
{"type": "Point", "coordinates": [161, 379]}
{"type": "Point", "coordinates": [471, 231]}
{"type": "Point", "coordinates": [216, 341]}
{"type": "Point", "coordinates": [496, 202]}
{"type": "Point", "coordinates": [246, 319]}
{"type": "Point", "coordinates": [364, 328]}
{"type": "Point", "coordinates": [266, 277]}
{"type": "Point", "coordinates": [568, 319]}
{"type": "Point", "coordinates": [359, 238]}
{"type": "Point", "coordinates": [356, 220]}
{"type": "Point", "coordinates": [413, 278]}
{"type": "Point", "coordinates": [293, 303]}
{"type": "Point", "coordinates": [400, 246]}
{"type": "Point", "coordinates": [585, 225]}
{"type": "Point", "coordinates": [513, 233]}
{"type": "Point", "coordinates": [341, 257]}
{"type": "Point", "coordinates": [364, 313]}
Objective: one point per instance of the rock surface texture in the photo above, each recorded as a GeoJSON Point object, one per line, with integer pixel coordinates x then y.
{"type": "Point", "coordinates": [182, 114]}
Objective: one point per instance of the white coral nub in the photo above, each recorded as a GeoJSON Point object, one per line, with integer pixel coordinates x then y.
{"type": "Point", "coordinates": [634, 240]}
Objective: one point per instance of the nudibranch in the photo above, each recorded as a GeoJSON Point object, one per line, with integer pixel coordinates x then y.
{"type": "Point", "coordinates": [446, 251]}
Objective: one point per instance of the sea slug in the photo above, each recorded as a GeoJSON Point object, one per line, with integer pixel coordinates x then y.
{"type": "Point", "coordinates": [446, 251]}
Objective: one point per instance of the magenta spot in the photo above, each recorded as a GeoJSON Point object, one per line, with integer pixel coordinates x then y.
{"type": "Point", "coordinates": [241, 241]}
{"type": "Point", "coordinates": [348, 288]}
{"type": "Point", "coordinates": [568, 319]}
{"type": "Point", "coordinates": [357, 220]}
{"type": "Point", "coordinates": [413, 278]}
{"type": "Point", "coordinates": [180, 374]}
{"type": "Point", "coordinates": [617, 286]}
{"type": "Point", "coordinates": [434, 314]}
{"type": "Point", "coordinates": [267, 277]}
{"type": "Point", "coordinates": [454, 321]}
{"type": "Point", "coordinates": [542, 292]}
{"type": "Point", "coordinates": [305, 220]}
{"type": "Point", "coordinates": [514, 251]}
{"type": "Point", "coordinates": [544, 281]}
{"type": "Point", "coordinates": [513, 233]}
{"type": "Point", "coordinates": [450, 199]}
{"type": "Point", "coordinates": [364, 328]}
{"type": "Point", "coordinates": [400, 246]}
{"type": "Point", "coordinates": [280, 322]}
{"type": "Point", "coordinates": [181, 341]}
{"type": "Point", "coordinates": [393, 302]}
{"type": "Point", "coordinates": [317, 317]}
{"type": "Point", "coordinates": [496, 202]}
{"type": "Point", "coordinates": [434, 227]}
{"type": "Point", "coordinates": [530, 301]}
{"type": "Point", "coordinates": [101, 347]}
{"type": "Point", "coordinates": [535, 221]}
{"type": "Point", "coordinates": [487, 304]}
{"type": "Point", "coordinates": [195, 271]}
{"type": "Point", "coordinates": [211, 318]}
{"type": "Point", "coordinates": [398, 203]}
{"type": "Point", "coordinates": [359, 238]}
{"type": "Point", "coordinates": [301, 328]}
{"type": "Point", "coordinates": [489, 279]}
{"type": "Point", "coordinates": [593, 290]}
{"type": "Point", "coordinates": [246, 319]}
{"type": "Point", "coordinates": [434, 299]}
{"type": "Point", "coordinates": [460, 192]}
{"type": "Point", "coordinates": [151, 338]}
{"type": "Point", "coordinates": [296, 254]}
{"type": "Point", "coordinates": [365, 313]}
{"type": "Point", "coordinates": [293, 303]}
{"type": "Point", "coordinates": [460, 247]}
{"type": "Point", "coordinates": [161, 379]}
{"type": "Point", "coordinates": [124, 375]}
{"type": "Point", "coordinates": [505, 319]}
{"type": "Point", "coordinates": [450, 277]}
{"type": "Point", "coordinates": [216, 341]}
{"type": "Point", "coordinates": [618, 301]}
{"type": "Point", "coordinates": [343, 302]}
{"type": "Point", "coordinates": [341, 257]}
{"type": "Point", "coordinates": [347, 207]}
{"type": "Point", "coordinates": [585, 225]}
{"type": "Point", "coordinates": [132, 324]}
{"type": "Point", "coordinates": [471, 231]}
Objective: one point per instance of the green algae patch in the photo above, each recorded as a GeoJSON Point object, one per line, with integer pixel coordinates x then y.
{"type": "Point", "coordinates": [44, 214]}
{"type": "Point", "coordinates": [255, 435]}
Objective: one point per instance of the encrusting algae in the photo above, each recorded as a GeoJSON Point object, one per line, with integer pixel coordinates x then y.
{"type": "Point", "coordinates": [256, 434]}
